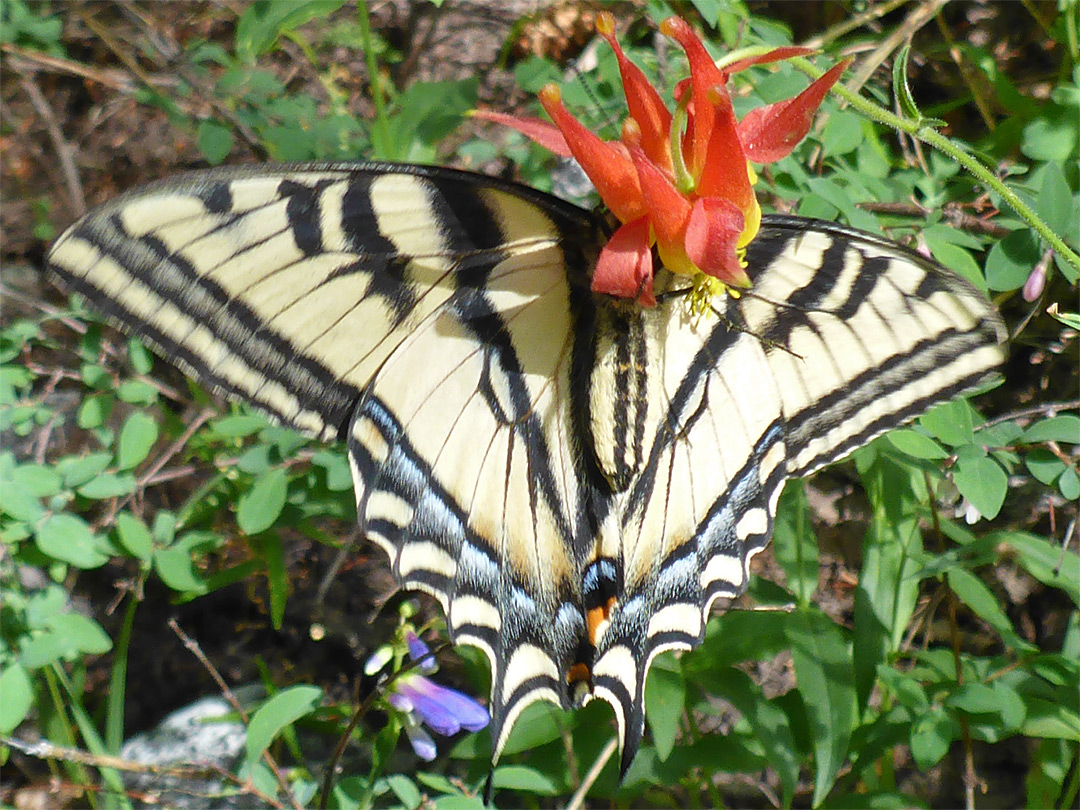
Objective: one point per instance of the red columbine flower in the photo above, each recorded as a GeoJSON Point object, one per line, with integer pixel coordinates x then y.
{"type": "Point", "coordinates": [681, 182]}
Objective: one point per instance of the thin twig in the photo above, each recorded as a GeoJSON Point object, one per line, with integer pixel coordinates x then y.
{"type": "Point", "coordinates": [21, 60]}
{"type": "Point", "coordinates": [974, 80]}
{"type": "Point", "coordinates": [916, 19]}
{"type": "Point", "coordinates": [577, 801]}
{"type": "Point", "coordinates": [1043, 409]}
{"type": "Point", "coordinates": [140, 483]}
{"type": "Point", "coordinates": [60, 144]}
{"type": "Point", "coordinates": [875, 12]}
{"type": "Point", "coordinates": [230, 696]}
{"type": "Point", "coordinates": [953, 212]}
{"type": "Point", "coordinates": [43, 749]}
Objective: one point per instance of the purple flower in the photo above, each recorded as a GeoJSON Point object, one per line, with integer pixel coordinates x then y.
{"type": "Point", "coordinates": [444, 710]}
{"type": "Point", "coordinates": [424, 702]}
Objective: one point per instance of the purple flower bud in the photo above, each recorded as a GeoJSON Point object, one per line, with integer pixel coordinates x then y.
{"type": "Point", "coordinates": [421, 742]}
{"type": "Point", "coordinates": [419, 651]}
{"type": "Point", "coordinates": [378, 659]}
{"type": "Point", "coordinates": [1036, 282]}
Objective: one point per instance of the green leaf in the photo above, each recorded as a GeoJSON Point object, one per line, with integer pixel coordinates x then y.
{"type": "Point", "coordinates": [93, 412]}
{"type": "Point", "coordinates": [842, 134]}
{"type": "Point", "coordinates": [1010, 261]}
{"type": "Point", "coordinates": [262, 23]}
{"type": "Point", "coordinates": [405, 789]}
{"type": "Point", "coordinates": [274, 715]}
{"type": "Point", "coordinates": [134, 537]}
{"type": "Point", "coordinates": [141, 358]}
{"type": "Point", "coordinates": [108, 485]}
{"type": "Point", "coordinates": [177, 570]}
{"type": "Point", "coordinates": [137, 437]}
{"type": "Point", "coordinates": [20, 503]}
{"type": "Point", "coordinates": [95, 376]}
{"type": "Point", "coordinates": [916, 444]}
{"type": "Point", "coordinates": [952, 422]}
{"type": "Point", "coordinates": [277, 579]}
{"type": "Point", "coordinates": [338, 474]}
{"type": "Point", "coordinates": [137, 392]}
{"type": "Point", "coordinates": [69, 539]}
{"type": "Point", "coordinates": [1055, 204]}
{"type": "Point", "coordinates": [983, 482]}
{"type": "Point", "coordinates": [1069, 484]}
{"type": "Point", "coordinates": [81, 634]}
{"type": "Point", "coordinates": [237, 427]}
{"type": "Point", "coordinates": [823, 671]}
{"type": "Point", "coordinates": [77, 470]}
{"type": "Point", "coordinates": [37, 479]}
{"type": "Point", "coordinates": [437, 782]}
{"type": "Point", "coordinates": [1052, 136]}
{"type": "Point", "coordinates": [795, 543]}
{"type": "Point", "coordinates": [538, 725]}
{"type": "Point", "coordinates": [428, 112]}
{"type": "Point", "coordinates": [665, 697]}
{"type": "Point", "coordinates": [524, 778]}
{"type": "Point", "coordinates": [1070, 319]}
{"type": "Point", "coordinates": [888, 588]}
{"type": "Point", "coordinates": [931, 736]}
{"type": "Point", "coordinates": [976, 595]}
{"type": "Point", "coordinates": [18, 697]}
{"type": "Point", "coordinates": [261, 505]}
{"type": "Point", "coordinates": [215, 141]}
{"type": "Point", "coordinates": [1047, 562]}
{"type": "Point", "coordinates": [1063, 428]}
{"type": "Point", "coordinates": [901, 88]}
{"type": "Point", "coordinates": [957, 258]}
{"type": "Point", "coordinates": [1050, 720]}
{"type": "Point", "coordinates": [1044, 465]}
{"type": "Point", "coordinates": [64, 636]}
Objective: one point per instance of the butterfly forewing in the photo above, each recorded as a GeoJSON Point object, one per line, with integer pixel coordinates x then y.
{"type": "Point", "coordinates": [575, 479]}
{"type": "Point", "coordinates": [861, 334]}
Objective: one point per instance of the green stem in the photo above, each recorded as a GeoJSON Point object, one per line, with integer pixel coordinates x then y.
{"type": "Point", "coordinates": [381, 130]}
{"type": "Point", "coordinates": [94, 744]}
{"type": "Point", "coordinates": [928, 135]}
{"type": "Point", "coordinates": [114, 715]}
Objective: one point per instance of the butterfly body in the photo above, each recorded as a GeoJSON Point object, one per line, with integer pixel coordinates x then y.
{"type": "Point", "coordinates": [576, 479]}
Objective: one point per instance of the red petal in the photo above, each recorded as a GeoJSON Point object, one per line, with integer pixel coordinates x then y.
{"type": "Point", "coordinates": [665, 205]}
{"type": "Point", "coordinates": [704, 74]}
{"type": "Point", "coordinates": [775, 55]}
{"type": "Point", "coordinates": [646, 106]}
{"type": "Point", "coordinates": [543, 132]}
{"type": "Point", "coordinates": [770, 133]}
{"type": "Point", "coordinates": [711, 235]}
{"type": "Point", "coordinates": [610, 170]}
{"type": "Point", "coordinates": [724, 172]}
{"type": "Point", "coordinates": [624, 268]}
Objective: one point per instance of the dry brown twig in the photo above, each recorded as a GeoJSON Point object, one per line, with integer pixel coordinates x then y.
{"type": "Point", "coordinates": [64, 151]}
{"type": "Point", "coordinates": [230, 696]}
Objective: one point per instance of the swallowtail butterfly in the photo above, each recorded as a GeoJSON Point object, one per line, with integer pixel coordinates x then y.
{"type": "Point", "coordinates": [575, 478]}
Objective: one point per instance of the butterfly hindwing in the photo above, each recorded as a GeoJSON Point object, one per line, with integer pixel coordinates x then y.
{"type": "Point", "coordinates": [461, 450]}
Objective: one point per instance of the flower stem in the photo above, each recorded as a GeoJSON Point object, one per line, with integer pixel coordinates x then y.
{"type": "Point", "coordinates": [926, 134]}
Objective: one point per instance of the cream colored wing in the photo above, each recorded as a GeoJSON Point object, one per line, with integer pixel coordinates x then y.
{"type": "Point", "coordinates": [842, 337]}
